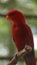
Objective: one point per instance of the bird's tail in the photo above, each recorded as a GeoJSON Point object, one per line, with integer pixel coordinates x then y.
{"type": "Point", "coordinates": [30, 58]}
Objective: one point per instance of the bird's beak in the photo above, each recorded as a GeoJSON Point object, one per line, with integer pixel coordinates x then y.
{"type": "Point", "coordinates": [7, 17]}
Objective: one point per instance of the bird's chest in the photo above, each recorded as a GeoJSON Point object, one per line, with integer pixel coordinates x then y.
{"type": "Point", "coordinates": [17, 32]}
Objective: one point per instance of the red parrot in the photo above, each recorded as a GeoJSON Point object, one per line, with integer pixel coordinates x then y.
{"type": "Point", "coordinates": [22, 34]}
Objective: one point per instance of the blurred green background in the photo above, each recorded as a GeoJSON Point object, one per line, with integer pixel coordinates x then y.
{"type": "Point", "coordinates": [7, 46]}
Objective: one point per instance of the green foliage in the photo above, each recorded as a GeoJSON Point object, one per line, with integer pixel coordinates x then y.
{"type": "Point", "coordinates": [36, 53]}
{"type": "Point", "coordinates": [28, 7]}
{"type": "Point", "coordinates": [6, 36]}
{"type": "Point", "coordinates": [32, 22]}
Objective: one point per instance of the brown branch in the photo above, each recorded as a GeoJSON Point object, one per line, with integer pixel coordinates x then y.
{"type": "Point", "coordinates": [2, 15]}
{"type": "Point", "coordinates": [19, 56]}
{"type": "Point", "coordinates": [27, 16]}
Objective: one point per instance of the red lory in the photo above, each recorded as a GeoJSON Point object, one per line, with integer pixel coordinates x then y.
{"type": "Point", "coordinates": [22, 34]}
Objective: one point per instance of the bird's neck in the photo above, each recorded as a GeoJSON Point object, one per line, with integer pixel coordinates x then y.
{"type": "Point", "coordinates": [19, 24]}
{"type": "Point", "coordinates": [19, 21]}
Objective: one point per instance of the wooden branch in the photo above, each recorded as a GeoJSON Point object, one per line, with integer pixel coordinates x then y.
{"type": "Point", "coordinates": [27, 16]}
{"type": "Point", "coordinates": [2, 15]}
{"type": "Point", "coordinates": [20, 54]}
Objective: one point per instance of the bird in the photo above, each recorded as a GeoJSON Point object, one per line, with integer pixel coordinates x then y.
{"type": "Point", "coordinates": [22, 34]}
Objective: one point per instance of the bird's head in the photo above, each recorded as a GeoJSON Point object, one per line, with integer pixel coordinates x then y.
{"type": "Point", "coordinates": [16, 15]}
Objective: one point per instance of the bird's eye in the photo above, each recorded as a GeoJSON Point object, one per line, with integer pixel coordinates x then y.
{"type": "Point", "coordinates": [11, 14]}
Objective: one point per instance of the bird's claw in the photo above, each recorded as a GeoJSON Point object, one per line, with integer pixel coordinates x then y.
{"type": "Point", "coordinates": [28, 48]}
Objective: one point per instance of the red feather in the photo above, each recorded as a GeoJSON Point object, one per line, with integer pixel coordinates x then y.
{"type": "Point", "coordinates": [22, 35]}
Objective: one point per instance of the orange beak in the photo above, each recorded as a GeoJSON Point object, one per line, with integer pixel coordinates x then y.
{"type": "Point", "coordinates": [7, 17]}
